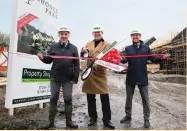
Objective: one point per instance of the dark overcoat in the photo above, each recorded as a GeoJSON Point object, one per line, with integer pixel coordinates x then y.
{"type": "Point", "coordinates": [63, 69]}
{"type": "Point", "coordinates": [137, 67]}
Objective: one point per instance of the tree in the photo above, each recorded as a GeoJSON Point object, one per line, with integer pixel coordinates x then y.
{"type": "Point", "coordinates": [4, 39]}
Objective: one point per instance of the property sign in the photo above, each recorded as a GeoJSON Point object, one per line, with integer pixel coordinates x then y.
{"type": "Point", "coordinates": [34, 29]}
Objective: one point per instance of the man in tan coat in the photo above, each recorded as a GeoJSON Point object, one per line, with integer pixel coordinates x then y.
{"type": "Point", "coordinates": [97, 82]}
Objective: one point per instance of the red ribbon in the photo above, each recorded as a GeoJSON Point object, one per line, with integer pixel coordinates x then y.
{"type": "Point", "coordinates": [143, 55]}
{"type": "Point", "coordinates": [90, 58]}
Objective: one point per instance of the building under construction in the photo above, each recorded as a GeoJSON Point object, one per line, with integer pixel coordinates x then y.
{"type": "Point", "coordinates": [176, 47]}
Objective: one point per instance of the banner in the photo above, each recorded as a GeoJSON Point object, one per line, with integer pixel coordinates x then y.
{"type": "Point", "coordinates": [111, 66]}
{"type": "Point", "coordinates": [35, 75]}
{"type": "Point", "coordinates": [34, 29]}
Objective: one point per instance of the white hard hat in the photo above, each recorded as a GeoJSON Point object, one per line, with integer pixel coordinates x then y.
{"type": "Point", "coordinates": [97, 28]}
{"type": "Point", "coordinates": [64, 28]}
{"type": "Point", "coordinates": [135, 31]}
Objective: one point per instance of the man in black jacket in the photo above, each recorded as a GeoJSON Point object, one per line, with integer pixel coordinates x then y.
{"type": "Point", "coordinates": [64, 73]}
{"type": "Point", "coordinates": [137, 75]}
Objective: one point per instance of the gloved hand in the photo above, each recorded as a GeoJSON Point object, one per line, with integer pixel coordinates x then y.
{"type": "Point", "coordinates": [84, 52]}
{"type": "Point", "coordinates": [73, 82]}
{"type": "Point", "coordinates": [84, 49]}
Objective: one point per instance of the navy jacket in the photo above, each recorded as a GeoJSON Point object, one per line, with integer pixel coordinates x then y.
{"type": "Point", "coordinates": [137, 67]}
{"type": "Point", "coordinates": [63, 69]}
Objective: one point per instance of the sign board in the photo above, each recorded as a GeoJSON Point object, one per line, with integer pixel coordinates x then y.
{"type": "Point", "coordinates": [34, 29]}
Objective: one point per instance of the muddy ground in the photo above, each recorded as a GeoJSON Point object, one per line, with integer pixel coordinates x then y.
{"type": "Point", "coordinates": [167, 100]}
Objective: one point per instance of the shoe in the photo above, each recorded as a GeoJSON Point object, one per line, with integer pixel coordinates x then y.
{"type": "Point", "coordinates": [52, 114]}
{"type": "Point", "coordinates": [48, 126]}
{"type": "Point", "coordinates": [109, 124]}
{"type": "Point", "coordinates": [146, 124]}
{"type": "Point", "coordinates": [68, 113]}
{"type": "Point", "coordinates": [126, 118]}
{"type": "Point", "coordinates": [92, 121]}
{"type": "Point", "coordinates": [70, 124]}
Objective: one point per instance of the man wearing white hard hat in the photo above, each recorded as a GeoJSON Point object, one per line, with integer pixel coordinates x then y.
{"type": "Point", "coordinates": [97, 82]}
{"type": "Point", "coordinates": [64, 73]}
{"type": "Point", "coordinates": [137, 75]}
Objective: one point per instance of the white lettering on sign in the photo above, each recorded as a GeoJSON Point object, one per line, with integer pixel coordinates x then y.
{"type": "Point", "coordinates": [110, 65]}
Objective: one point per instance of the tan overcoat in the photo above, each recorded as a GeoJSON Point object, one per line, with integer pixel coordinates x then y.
{"type": "Point", "coordinates": [97, 82]}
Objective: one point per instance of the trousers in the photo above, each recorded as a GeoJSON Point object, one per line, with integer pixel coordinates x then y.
{"type": "Point", "coordinates": [92, 111]}
{"type": "Point", "coordinates": [145, 100]}
{"type": "Point", "coordinates": [55, 89]}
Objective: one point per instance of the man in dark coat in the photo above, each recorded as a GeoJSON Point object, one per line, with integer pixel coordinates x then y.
{"type": "Point", "coordinates": [64, 73]}
{"type": "Point", "coordinates": [137, 75]}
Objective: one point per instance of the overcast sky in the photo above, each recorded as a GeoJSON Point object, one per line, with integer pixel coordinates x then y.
{"type": "Point", "coordinates": [153, 17]}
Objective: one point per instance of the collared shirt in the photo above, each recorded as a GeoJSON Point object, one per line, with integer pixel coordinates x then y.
{"type": "Point", "coordinates": [97, 42]}
{"type": "Point", "coordinates": [137, 45]}
{"type": "Point", "coordinates": [64, 45]}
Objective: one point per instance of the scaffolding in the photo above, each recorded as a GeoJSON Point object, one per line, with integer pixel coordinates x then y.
{"type": "Point", "coordinates": [176, 63]}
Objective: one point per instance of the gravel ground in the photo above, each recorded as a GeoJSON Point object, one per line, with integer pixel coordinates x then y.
{"type": "Point", "coordinates": [167, 99]}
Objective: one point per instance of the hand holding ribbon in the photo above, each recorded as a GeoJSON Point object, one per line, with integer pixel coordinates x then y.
{"type": "Point", "coordinates": [164, 57]}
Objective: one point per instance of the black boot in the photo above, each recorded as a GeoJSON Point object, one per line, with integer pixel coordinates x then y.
{"type": "Point", "coordinates": [52, 114]}
{"type": "Point", "coordinates": [68, 113]}
{"type": "Point", "coordinates": [125, 119]}
{"type": "Point", "coordinates": [92, 111]}
{"type": "Point", "coordinates": [146, 124]}
{"type": "Point", "coordinates": [106, 111]}
{"type": "Point", "coordinates": [92, 121]}
{"type": "Point", "coordinates": [109, 124]}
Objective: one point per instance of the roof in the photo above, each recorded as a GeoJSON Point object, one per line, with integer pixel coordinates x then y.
{"type": "Point", "coordinates": [179, 36]}
{"type": "Point", "coordinates": [163, 42]}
